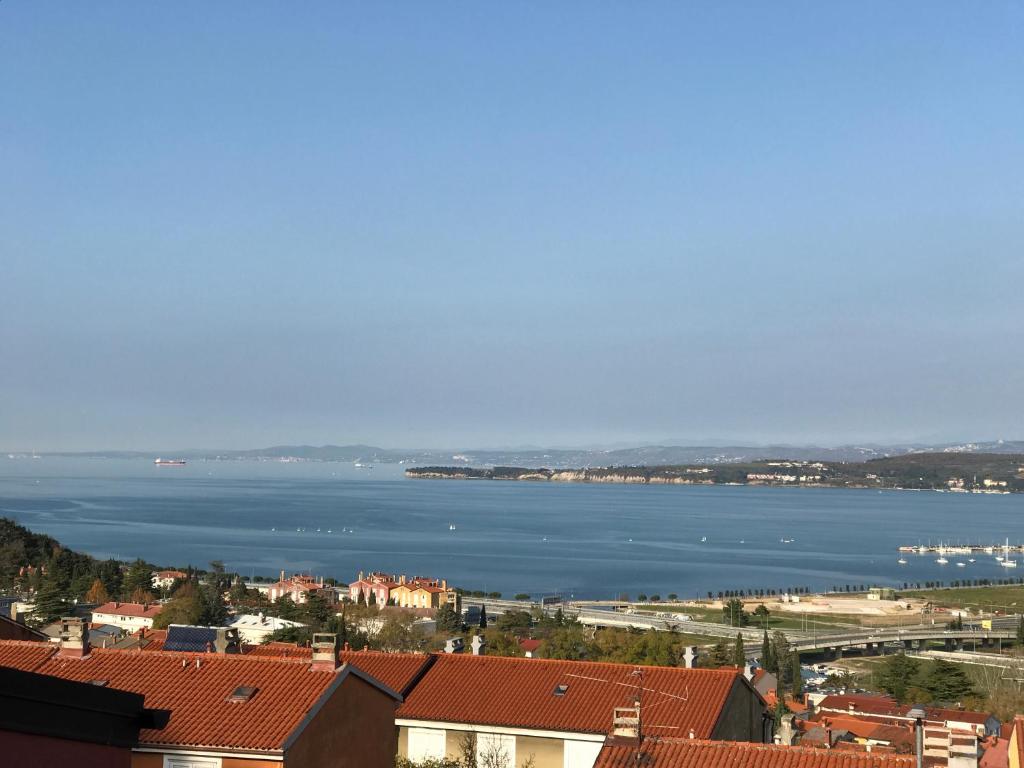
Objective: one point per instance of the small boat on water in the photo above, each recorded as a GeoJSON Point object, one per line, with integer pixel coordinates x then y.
{"type": "Point", "coordinates": [901, 561]}
{"type": "Point", "coordinates": [970, 559]}
{"type": "Point", "coordinates": [961, 565]}
{"type": "Point", "coordinates": [942, 561]}
{"type": "Point", "coordinates": [169, 462]}
{"type": "Point", "coordinates": [451, 526]}
{"type": "Point", "coordinates": [1009, 563]}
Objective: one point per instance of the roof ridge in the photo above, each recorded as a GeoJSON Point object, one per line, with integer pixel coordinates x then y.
{"type": "Point", "coordinates": [204, 655]}
{"type": "Point", "coordinates": [722, 671]}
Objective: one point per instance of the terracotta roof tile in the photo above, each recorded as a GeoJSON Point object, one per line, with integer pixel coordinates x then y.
{"type": "Point", "coordinates": [25, 655]}
{"type": "Point", "coordinates": [683, 753]}
{"type": "Point", "coordinates": [398, 671]}
{"type": "Point", "coordinates": [196, 695]}
{"type": "Point", "coordinates": [516, 692]}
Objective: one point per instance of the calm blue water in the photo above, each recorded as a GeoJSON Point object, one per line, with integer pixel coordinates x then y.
{"type": "Point", "coordinates": [600, 539]}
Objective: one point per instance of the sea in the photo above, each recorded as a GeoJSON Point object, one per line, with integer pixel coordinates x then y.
{"type": "Point", "coordinates": [575, 540]}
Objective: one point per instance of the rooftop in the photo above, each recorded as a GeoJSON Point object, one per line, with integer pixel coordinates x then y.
{"type": "Point", "coordinates": [141, 610]}
{"type": "Point", "coordinates": [694, 753]}
{"type": "Point", "coordinates": [516, 692]}
{"type": "Point", "coordinates": [197, 689]}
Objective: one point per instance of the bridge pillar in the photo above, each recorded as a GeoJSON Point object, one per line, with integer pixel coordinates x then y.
{"type": "Point", "coordinates": [869, 649]}
{"type": "Point", "coordinates": [837, 652]}
{"type": "Point", "coordinates": [959, 643]}
{"type": "Point", "coordinates": [948, 643]}
{"type": "Point", "coordinates": [908, 645]}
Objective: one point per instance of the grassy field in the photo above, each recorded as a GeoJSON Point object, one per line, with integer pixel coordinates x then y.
{"type": "Point", "coordinates": [1008, 599]}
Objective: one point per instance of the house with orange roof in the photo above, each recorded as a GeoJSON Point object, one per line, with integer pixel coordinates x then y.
{"type": "Point", "coordinates": [166, 579]}
{"type": "Point", "coordinates": [299, 587]}
{"type": "Point", "coordinates": [1016, 747]}
{"type": "Point", "coordinates": [559, 713]}
{"type": "Point", "coordinates": [698, 753]}
{"type": "Point", "coordinates": [377, 584]}
{"type": "Point", "coordinates": [234, 710]}
{"type": "Point", "coordinates": [130, 617]}
{"type": "Point", "coordinates": [420, 592]}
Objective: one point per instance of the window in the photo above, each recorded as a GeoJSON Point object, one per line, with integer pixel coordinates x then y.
{"type": "Point", "coordinates": [187, 761]}
{"type": "Point", "coordinates": [426, 743]}
{"type": "Point", "coordinates": [495, 750]}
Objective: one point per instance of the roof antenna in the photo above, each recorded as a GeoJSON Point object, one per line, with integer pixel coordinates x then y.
{"type": "Point", "coordinates": [639, 674]}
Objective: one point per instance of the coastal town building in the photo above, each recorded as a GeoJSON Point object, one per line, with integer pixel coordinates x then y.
{"type": "Point", "coordinates": [420, 592]}
{"type": "Point", "coordinates": [875, 708]}
{"type": "Point", "coordinates": [128, 616]}
{"type": "Point", "coordinates": [255, 628]}
{"type": "Point", "coordinates": [559, 713]}
{"type": "Point", "coordinates": [233, 710]}
{"type": "Point", "coordinates": [299, 588]}
{"type": "Point", "coordinates": [397, 589]}
{"type": "Point", "coordinates": [165, 579]}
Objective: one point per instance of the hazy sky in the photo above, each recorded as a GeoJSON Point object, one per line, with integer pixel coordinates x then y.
{"type": "Point", "coordinates": [238, 224]}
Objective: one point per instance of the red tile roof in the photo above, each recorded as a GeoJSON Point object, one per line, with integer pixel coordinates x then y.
{"type": "Point", "coordinates": [884, 706]}
{"type": "Point", "coordinates": [143, 610]}
{"type": "Point", "coordinates": [398, 671]}
{"type": "Point", "coordinates": [25, 655]}
{"type": "Point", "coordinates": [684, 753]}
{"type": "Point", "coordinates": [278, 650]}
{"type": "Point", "coordinates": [195, 688]}
{"type": "Point", "coordinates": [529, 645]}
{"type": "Point", "coordinates": [511, 692]}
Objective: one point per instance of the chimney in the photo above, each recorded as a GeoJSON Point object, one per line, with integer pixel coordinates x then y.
{"type": "Point", "coordinates": [74, 638]}
{"type": "Point", "coordinates": [227, 641]}
{"type": "Point", "coordinates": [453, 645]}
{"type": "Point", "coordinates": [748, 671]}
{"type": "Point", "coordinates": [690, 657]}
{"type": "Point", "coordinates": [282, 575]}
{"type": "Point", "coordinates": [626, 722]}
{"type": "Point", "coordinates": [478, 645]}
{"type": "Point", "coordinates": [444, 583]}
{"type": "Point", "coordinates": [325, 652]}
{"type": "Point", "coordinates": [785, 734]}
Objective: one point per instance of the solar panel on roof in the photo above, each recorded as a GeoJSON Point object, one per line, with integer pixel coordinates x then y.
{"type": "Point", "coordinates": [194, 639]}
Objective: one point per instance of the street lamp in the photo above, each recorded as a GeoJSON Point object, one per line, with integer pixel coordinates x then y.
{"type": "Point", "coordinates": [918, 714]}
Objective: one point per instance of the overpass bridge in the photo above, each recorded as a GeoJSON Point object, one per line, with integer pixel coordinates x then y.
{"type": "Point", "coordinates": [874, 640]}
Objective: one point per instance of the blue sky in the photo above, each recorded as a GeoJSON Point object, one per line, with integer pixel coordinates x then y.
{"type": "Point", "coordinates": [237, 224]}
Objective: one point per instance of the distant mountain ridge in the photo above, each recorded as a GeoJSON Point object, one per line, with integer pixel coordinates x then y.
{"type": "Point", "coordinates": [651, 455]}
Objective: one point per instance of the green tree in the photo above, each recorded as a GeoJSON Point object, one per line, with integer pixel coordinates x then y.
{"type": "Point", "coordinates": [522, 596]}
{"type": "Point", "coordinates": [139, 576]}
{"type": "Point", "coordinates": [1020, 631]}
{"type": "Point", "coordinates": [447, 620]}
{"type": "Point", "coordinates": [361, 600]}
{"type": "Point", "coordinates": [185, 609]}
{"type": "Point", "coordinates": [796, 685]}
{"type": "Point", "coordinates": [947, 682]}
{"type": "Point", "coordinates": [50, 602]}
{"type": "Point", "coordinates": [501, 643]}
{"type": "Point", "coordinates": [719, 656]}
{"type": "Point", "coordinates": [568, 643]}
{"type": "Point", "coordinates": [739, 655]}
{"type": "Point", "coordinates": [780, 656]}
{"type": "Point", "coordinates": [733, 614]}
{"type": "Point", "coordinates": [898, 675]}
{"type": "Point", "coordinates": [767, 657]}
{"type": "Point", "coordinates": [483, 617]}
{"type": "Point", "coordinates": [373, 597]}
{"type": "Point", "coordinates": [762, 613]}
{"type": "Point", "coordinates": [511, 621]}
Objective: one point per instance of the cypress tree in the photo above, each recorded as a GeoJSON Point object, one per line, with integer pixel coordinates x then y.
{"type": "Point", "coordinates": [797, 684]}
{"type": "Point", "coordinates": [739, 655]}
{"type": "Point", "coordinates": [483, 617]}
{"type": "Point", "coordinates": [767, 657]}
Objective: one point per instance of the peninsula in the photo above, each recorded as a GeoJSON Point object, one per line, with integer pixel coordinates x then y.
{"type": "Point", "coordinates": [948, 472]}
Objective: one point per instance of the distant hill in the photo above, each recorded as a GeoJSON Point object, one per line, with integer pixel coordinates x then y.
{"type": "Point", "coordinates": [647, 456]}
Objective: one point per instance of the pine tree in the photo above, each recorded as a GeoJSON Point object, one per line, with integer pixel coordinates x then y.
{"type": "Point", "coordinates": [483, 617]}
{"type": "Point", "coordinates": [947, 682]}
{"type": "Point", "coordinates": [898, 676]}
{"type": "Point", "coordinates": [373, 597]}
{"type": "Point", "coordinates": [739, 656]}
{"type": "Point", "coordinates": [361, 600]}
{"type": "Point", "coordinates": [50, 602]}
{"type": "Point", "coordinates": [139, 576]}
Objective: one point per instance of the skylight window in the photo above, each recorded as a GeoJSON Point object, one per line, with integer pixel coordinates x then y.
{"type": "Point", "coordinates": [560, 689]}
{"type": "Point", "coordinates": [242, 693]}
